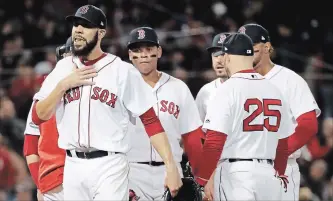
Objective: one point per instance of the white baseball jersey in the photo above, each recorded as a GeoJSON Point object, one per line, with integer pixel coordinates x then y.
{"type": "Point", "coordinates": [296, 93]}
{"type": "Point", "coordinates": [97, 117]}
{"type": "Point", "coordinates": [178, 114]}
{"type": "Point", "coordinates": [30, 127]}
{"type": "Point", "coordinates": [204, 95]}
{"type": "Point", "coordinates": [252, 112]}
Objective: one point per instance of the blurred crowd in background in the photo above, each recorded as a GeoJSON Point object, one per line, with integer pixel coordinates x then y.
{"type": "Point", "coordinates": [301, 34]}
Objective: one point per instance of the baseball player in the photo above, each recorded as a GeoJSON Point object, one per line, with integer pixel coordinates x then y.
{"type": "Point", "coordinates": [246, 119]}
{"type": "Point", "coordinates": [93, 94]}
{"type": "Point", "coordinates": [299, 100]}
{"type": "Point", "coordinates": [208, 89]}
{"type": "Point", "coordinates": [44, 158]}
{"type": "Point", "coordinates": [174, 105]}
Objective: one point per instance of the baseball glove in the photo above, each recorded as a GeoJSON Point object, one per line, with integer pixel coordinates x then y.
{"type": "Point", "coordinates": [190, 191]}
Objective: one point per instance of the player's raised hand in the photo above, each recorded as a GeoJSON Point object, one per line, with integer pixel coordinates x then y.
{"type": "Point", "coordinates": [173, 181]}
{"type": "Point", "coordinates": [80, 77]}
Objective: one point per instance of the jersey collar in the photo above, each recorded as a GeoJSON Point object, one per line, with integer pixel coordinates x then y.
{"type": "Point", "coordinates": [248, 74]}
{"type": "Point", "coordinates": [273, 71]}
{"type": "Point", "coordinates": [98, 65]}
{"type": "Point", "coordinates": [163, 79]}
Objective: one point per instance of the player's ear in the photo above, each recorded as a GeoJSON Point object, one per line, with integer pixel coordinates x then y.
{"type": "Point", "coordinates": [101, 33]}
{"type": "Point", "coordinates": [267, 48]}
{"type": "Point", "coordinates": [159, 52]}
{"type": "Point", "coordinates": [130, 55]}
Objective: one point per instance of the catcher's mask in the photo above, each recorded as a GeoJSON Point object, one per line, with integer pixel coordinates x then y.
{"type": "Point", "coordinates": [190, 191]}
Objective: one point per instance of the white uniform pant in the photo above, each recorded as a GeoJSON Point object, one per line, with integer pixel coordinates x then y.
{"type": "Point", "coordinates": [103, 178]}
{"type": "Point", "coordinates": [54, 195]}
{"type": "Point", "coordinates": [294, 177]}
{"type": "Point", "coordinates": [148, 181]}
{"type": "Point", "coordinates": [246, 180]}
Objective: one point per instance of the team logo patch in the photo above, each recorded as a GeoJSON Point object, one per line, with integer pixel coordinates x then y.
{"type": "Point", "coordinates": [242, 30]}
{"type": "Point", "coordinates": [141, 34]}
{"type": "Point", "coordinates": [222, 38]}
{"type": "Point", "coordinates": [84, 9]}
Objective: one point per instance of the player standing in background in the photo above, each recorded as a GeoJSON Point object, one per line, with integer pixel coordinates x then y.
{"type": "Point", "coordinates": [93, 95]}
{"type": "Point", "coordinates": [246, 119]}
{"type": "Point", "coordinates": [44, 158]}
{"type": "Point", "coordinates": [208, 89]}
{"type": "Point", "coordinates": [300, 101]}
{"type": "Point", "coordinates": [176, 110]}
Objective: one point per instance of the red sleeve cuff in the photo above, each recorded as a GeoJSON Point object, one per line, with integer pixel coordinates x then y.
{"type": "Point", "coordinates": [211, 153]}
{"type": "Point", "coordinates": [193, 148]}
{"type": "Point", "coordinates": [30, 146]}
{"type": "Point", "coordinates": [35, 119]}
{"type": "Point", "coordinates": [151, 123]}
{"type": "Point", "coordinates": [34, 171]}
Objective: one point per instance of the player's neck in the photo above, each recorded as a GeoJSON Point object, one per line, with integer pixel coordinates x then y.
{"type": "Point", "coordinates": [94, 54]}
{"type": "Point", "coordinates": [152, 78]}
{"type": "Point", "coordinates": [264, 67]}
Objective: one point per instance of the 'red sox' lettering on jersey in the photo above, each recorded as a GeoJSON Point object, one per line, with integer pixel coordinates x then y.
{"type": "Point", "coordinates": [105, 96]}
{"type": "Point", "coordinates": [171, 107]}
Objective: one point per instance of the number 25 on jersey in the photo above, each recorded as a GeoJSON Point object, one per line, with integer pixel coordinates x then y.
{"type": "Point", "coordinates": [262, 108]}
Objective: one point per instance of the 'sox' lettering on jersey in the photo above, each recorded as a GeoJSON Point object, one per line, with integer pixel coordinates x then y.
{"type": "Point", "coordinates": [170, 107]}
{"type": "Point", "coordinates": [72, 95]}
{"type": "Point", "coordinates": [105, 96]}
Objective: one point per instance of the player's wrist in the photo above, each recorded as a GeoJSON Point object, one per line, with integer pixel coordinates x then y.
{"type": "Point", "coordinates": [62, 86]}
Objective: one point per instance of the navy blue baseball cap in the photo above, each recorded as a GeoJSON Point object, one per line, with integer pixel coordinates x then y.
{"type": "Point", "coordinates": [256, 32]}
{"type": "Point", "coordinates": [217, 41]}
{"type": "Point", "coordinates": [142, 35]}
{"type": "Point", "coordinates": [91, 14]}
{"type": "Point", "coordinates": [236, 44]}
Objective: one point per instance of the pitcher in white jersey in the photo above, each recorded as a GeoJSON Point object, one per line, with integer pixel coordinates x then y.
{"type": "Point", "coordinates": [177, 111]}
{"type": "Point", "coordinates": [93, 94]}
{"type": "Point", "coordinates": [208, 89]}
{"type": "Point", "coordinates": [247, 128]}
{"type": "Point", "coordinates": [301, 103]}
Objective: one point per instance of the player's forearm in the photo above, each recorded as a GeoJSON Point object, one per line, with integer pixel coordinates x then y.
{"type": "Point", "coordinates": [161, 143]}
{"type": "Point", "coordinates": [211, 153]}
{"type": "Point", "coordinates": [30, 151]}
{"type": "Point", "coordinates": [45, 108]}
{"type": "Point", "coordinates": [307, 127]}
{"type": "Point", "coordinates": [281, 158]}
{"type": "Point", "coordinates": [193, 148]}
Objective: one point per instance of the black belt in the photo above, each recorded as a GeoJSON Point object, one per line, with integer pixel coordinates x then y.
{"type": "Point", "coordinates": [152, 163]}
{"type": "Point", "coordinates": [269, 161]}
{"type": "Point", "coordinates": [89, 155]}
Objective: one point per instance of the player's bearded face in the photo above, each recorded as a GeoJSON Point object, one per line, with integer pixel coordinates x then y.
{"type": "Point", "coordinates": [81, 46]}
{"type": "Point", "coordinates": [144, 57]}
{"type": "Point", "coordinates": [218, 66]}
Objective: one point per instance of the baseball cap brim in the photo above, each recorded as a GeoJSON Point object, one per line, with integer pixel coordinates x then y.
{"type": "Point", "coordinates": [210, 49]}
{"type": "Point", "coordinates": [218, 53]}
{"type": "Point", "coordinates": [131, 45]}
{"type": "Point", "coordinates": [72, 18]}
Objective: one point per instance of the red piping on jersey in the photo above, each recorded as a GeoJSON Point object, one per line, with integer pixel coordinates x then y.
{"type": "Point", "coordinates": [247, 71]}
{"type": "Point", "coordinates": [315, 149]}
{"type": "Point", "coordinates": [92, 79]}
{"type": "Point", "coordinates": [79, 113]}
{"type": "Point", "coordinates": [211, 153]}
{"type": "Point", "coordinates": [193, 148]}
{"type": "Point", "coordinates": [281, 158]}
{"type": "Point", "coordinates": [92, 62]}
{"type": "Point", "coordinates": [34, 116]}
{"type": "Point", "coordinates": [307, 127]}
{"type": "Point", "coordinates": [151, 123]}
{"type": "Point", "coordinates": [30, 145]}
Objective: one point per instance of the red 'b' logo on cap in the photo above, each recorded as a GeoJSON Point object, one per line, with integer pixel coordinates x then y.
{"type": "Point", "coordinates": [141, 34]}
{"type": "Point", "coordinates": [242, 30]}
{"type": "Point", "coordinates": [84, 9]}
